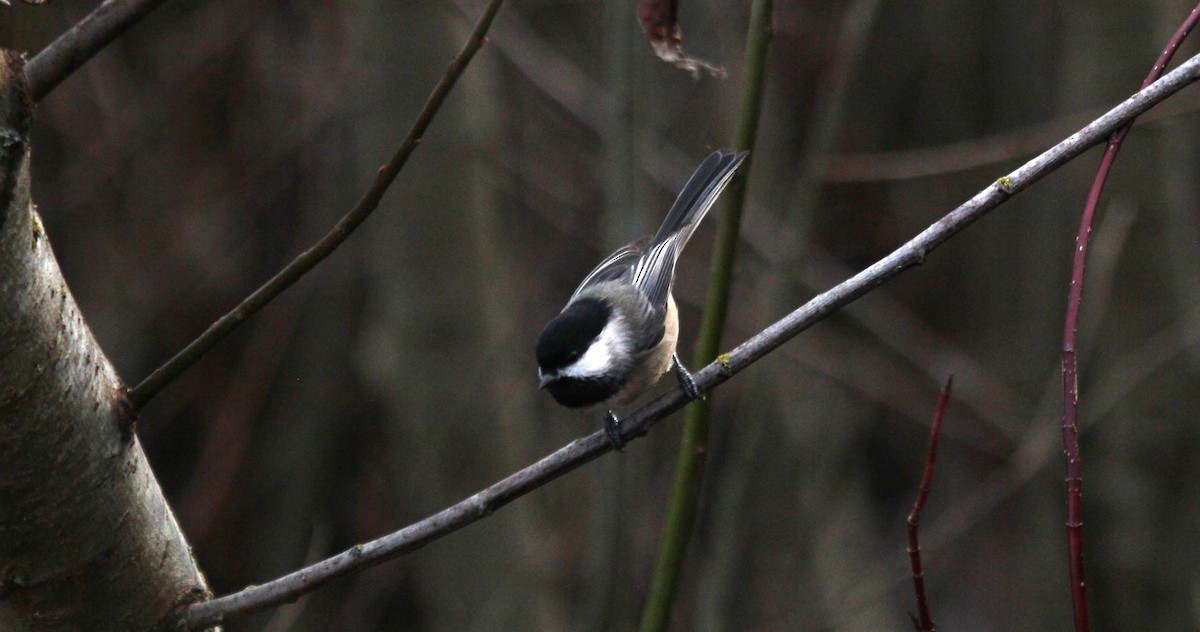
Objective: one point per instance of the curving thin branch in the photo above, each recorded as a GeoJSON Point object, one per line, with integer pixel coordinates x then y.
{"type": "Point", "coordinates": [583, 450]}
{"type": "Point", "coordinates": [923, 620]}
{"type": "Point", "coordinates": [81, 42]}
{"type": "Point", "coordinates": [285, 278]}
{"type": "Point", "coordinates": [1070, 374]}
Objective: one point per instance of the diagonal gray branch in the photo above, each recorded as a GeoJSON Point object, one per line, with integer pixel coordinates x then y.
{"type": "Point", "coordinates": [74, 48]}
{"type": "Point", "coordinates": [581, 451]}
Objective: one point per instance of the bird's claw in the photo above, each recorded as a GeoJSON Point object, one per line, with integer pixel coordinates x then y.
{"type": "Point", "coordinates": [612, 430]}
{"type": "Point", "coordinates": [686, 380]}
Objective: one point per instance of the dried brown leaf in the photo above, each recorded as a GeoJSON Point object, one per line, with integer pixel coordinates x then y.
{"type": "Point", "coordinates": [660, 18]}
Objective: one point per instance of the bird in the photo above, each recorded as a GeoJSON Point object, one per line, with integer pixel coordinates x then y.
{"type": "Point", "coordinates": [617, 334]}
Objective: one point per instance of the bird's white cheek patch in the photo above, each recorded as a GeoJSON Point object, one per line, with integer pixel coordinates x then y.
{"type": "Point", "coordinates": [598, 359]}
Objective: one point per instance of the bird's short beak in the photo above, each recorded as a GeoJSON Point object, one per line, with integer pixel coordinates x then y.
{"type": "Point", "coordinates": [545, 379]}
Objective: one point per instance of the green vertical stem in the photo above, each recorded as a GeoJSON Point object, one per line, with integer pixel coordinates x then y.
{"type": "Point", "coordinates": [681, 515]}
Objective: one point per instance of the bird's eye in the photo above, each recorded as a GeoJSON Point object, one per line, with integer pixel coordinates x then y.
{"type": "Point", "coordinates": [573, 356]}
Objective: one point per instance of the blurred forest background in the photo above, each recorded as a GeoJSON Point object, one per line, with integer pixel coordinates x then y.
{"type": "Point", "coordinates": [209, 145]}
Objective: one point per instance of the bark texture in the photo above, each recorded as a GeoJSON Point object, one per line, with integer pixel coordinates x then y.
{"type": "Point", "coordinates": [87, 541]}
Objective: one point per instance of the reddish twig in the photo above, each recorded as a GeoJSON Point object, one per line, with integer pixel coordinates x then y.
{"type": "Point", "coordinates": [922, 621]}
{"type": "Point", "coordinates": [1070, 419]}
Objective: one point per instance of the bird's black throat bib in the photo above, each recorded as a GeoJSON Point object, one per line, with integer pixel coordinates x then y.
{"type": "Point", "coordinates": [574, 392]}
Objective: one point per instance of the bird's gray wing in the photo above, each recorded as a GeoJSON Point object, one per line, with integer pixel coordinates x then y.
{"type": "Point", "coordinates": [615, 266]}
{"type": "Point", "coordinates": [647, 320]}
{"type": "Point", "coordinates": [654, 271]}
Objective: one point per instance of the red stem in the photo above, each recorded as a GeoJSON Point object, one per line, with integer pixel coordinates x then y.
{"type": "Point", "coordinates": [1070, 419]}
{"type": "Point", "coordinates": [923, 622]}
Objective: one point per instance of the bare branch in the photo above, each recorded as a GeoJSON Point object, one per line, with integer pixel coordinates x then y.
{"type": "Point", "coordinates": [585, 449]}
{"type": "Point", "coordinates": [285, 278]}
{"type": "Point", "coordinates": [74, 48]}
{"type": "Point", "coordinates": [923, 621]}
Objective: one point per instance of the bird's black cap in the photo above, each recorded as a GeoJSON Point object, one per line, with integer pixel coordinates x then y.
{"type": "Point", "coordinates": [570, 334]}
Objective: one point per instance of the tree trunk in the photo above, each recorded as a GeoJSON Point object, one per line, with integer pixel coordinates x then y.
{"type": "Point", "coordinates": [87, 541]}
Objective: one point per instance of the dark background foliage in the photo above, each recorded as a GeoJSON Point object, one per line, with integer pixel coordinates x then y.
{"type": "Point", "coordinates": [205, 148]}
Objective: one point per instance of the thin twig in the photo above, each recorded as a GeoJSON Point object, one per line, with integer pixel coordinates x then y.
{"type": "Point", "coordinates": [89, 36]}
{"type": "Point", "coordinates": [583, 450]}
{"type": "Point", "coordinates": [142, 393]}
{"type": "Point", "coordinates": [1070, 374]}
{"type": "Point", "coordinates": [923, 621]}
{"type": "Point", "coordinates": [693, 444]}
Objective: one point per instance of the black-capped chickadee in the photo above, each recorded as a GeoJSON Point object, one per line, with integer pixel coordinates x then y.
{"type": "Point", "coordinates": [616, 337]}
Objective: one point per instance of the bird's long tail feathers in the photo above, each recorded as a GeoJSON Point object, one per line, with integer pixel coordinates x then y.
{"type": "Point", "coordinates": [698, 196]}
{"type": "Point", "coordinates": [655, 270]}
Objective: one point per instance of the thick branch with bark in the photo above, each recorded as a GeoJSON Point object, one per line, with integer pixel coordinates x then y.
{"type": "Point", "coordinates": [584, 450]}
{"type": "Point", "coordinates": [87, 541]}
